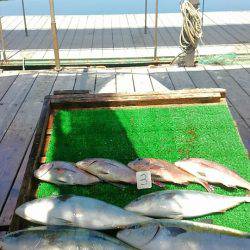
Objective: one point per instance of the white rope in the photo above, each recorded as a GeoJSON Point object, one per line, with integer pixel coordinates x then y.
{"type": "Point", "coordinates": [191, 31]}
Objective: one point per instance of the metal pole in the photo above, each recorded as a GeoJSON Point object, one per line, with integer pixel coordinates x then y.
{"type": "Point", "coordinates": [24, 19]}
{"type": "Point", "coordinates": [203, 9]}
{"type": "Point", "coordinates": [54, 35]}
{"type": "Point", "coordinates": [156, 30]}
{"type": "Point", "coordinates": [2, 40]}
{"type": "Point", "coordinates": [146, 16]}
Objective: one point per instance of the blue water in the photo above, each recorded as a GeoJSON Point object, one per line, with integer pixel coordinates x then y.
{"type": "Point", "coordinates": [77, 7]}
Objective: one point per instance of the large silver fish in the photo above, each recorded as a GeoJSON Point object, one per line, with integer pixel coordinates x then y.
{"type": "Point", "coordinates": [212, 172]}
{"type": "Point", "coordinates": [78, 211]}
{"type": "Point", "coordinates": [157, 236]}
{"type": "Point", "coordinates": [64, 173]}
{"type": "Point", "coordinates": [178, 204]}
{"type": "Point", "coordinates": [57, 238]}
{"type": "Point", "coordinates": [164, 171]}
{"type": "Point", "coordinates": [108, 170]}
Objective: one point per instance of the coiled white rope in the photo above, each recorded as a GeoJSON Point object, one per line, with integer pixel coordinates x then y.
{"type": "Point", "coordinates": [191, 31]}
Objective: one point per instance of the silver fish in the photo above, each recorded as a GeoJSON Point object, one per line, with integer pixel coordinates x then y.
{"type": "Point", "coordinates": [78, 211]}
{"type": "Point", "coordinates": [64, 173]}
{"type": "Point", "coordinates": [178, 204]}
{"type": "Point", "coordinates": [157, 236]}
{"type": "Point", "coordinates": [108, 170]}
{"type": "Point", "coordinates": [212, 172]}
{"type": "Point", "coordinates": [57, 238]}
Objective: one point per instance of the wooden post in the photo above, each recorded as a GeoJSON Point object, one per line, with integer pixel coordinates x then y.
{"type": "Point", "coordinates": [54, 35]}
{"type": "Point", "coordinates": [2, 40]}
{"type": "Point", "coordinates": [188, 58]}
{"type": "Point", "coordinates": [24, 19]}
{"type": "Point", "coordinates": [146, 16]}
{"type": "Point", "coordinates": [156, 30]}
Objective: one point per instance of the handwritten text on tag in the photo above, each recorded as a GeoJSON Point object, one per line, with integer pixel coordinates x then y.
{"type": "Point", "coordinates": [143, 179]}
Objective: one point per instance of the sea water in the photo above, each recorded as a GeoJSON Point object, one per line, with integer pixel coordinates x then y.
{"type": "Point", "coordinates": [95, 7]}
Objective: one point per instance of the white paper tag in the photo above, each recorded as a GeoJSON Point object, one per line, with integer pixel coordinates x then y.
{"type": "Point", "coordinates": [143, 179]}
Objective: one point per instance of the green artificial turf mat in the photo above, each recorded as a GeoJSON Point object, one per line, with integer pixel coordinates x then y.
{"type": "Point", "coordinates": [170, 133]}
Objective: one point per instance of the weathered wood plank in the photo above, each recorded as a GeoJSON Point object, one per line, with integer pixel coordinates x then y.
{"type": "Point", "coordinates": [13, 99]}
{"type": "Point", "coordinates": [124, 80]}
{"type": "Point", "coordinates": [142, 80]}
{"type": "Point", "coordinates": [105, 81]}
{"type": "Point", "coordinates": [179, 78]}
{"type": "Point", "coordinates": [10, 204]}
{"type": "Point", "coordinates": [18, 136]}
{"type": "Point", "coordinates": [6, 80]}
{"type": "Point", "coordinates": [65, 81]}
{"type": "Point", "coordinates": [240, 75]}
{"type": "Point", "coordinates": [160, 79]}
{"type": "Point", "coordinates": [86, 80]}
{"type": "Point", "coordinates": [224, 80]}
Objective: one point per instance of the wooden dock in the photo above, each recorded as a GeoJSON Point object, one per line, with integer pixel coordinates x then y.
{"type": "Point", "coordinates": [22, 93]}
{"type": "Point", "coordinates": [91, 37]}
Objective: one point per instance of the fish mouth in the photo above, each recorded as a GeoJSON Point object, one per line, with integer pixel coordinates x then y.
{"type": "Point", "coordinates": [42, 170]}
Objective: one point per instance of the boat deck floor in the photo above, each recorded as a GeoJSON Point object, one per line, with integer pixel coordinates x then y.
{"type": "Point", "coordinates": [86, 37]}
{"type": "Point", "coordinates": [22, 94]}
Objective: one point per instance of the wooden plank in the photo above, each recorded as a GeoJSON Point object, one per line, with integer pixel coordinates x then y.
{"type": "Point", "coordinates": [224, 80]}
{"type": "Point", "coordinates": [147, 38]}
{"type": "Point", "coordinates": [13, 99]}
{"type": "Point", "coordinates": [98, 36]}
{"type": "Point", "coordinates": [19, 39]}
{"type": "Point", "coordinates": [86, 80]}
{"type": "Point", "coordinates": [62, 29]}
{"type": "Point", "coordinates": [116, 32]}
{"type": "Point", "coordinates": [124, 80]}
{"type": "Point", "coordinates": [229, 25]}
{"type": "Point", "coordinates": [64, 81]}
{"type": "Point", "coordinates": [134, 29]}
{"type": "Point", "coordinates": [69, 37]}
{"type": "Point", "coordinates": [10, 204]}
{"type": "Point", "coordinates": [142, 80]}
{"type": "Point", "coordinates": [18, 136]}
{"type": "Point", "coordinates": [27, 49]}
{"type": "Point", "coordinates": [165, 37]}
{"type": "Point", "coordinates": [105, 81]}
{"type": "Point", "coordinates": [6, 80]}
{"type": "Point", "coordinates": [240, 75]}
{"type": "Point", "coordinates": [179, 78]}
{"type": "Point", "coordinates": [78, 39]}
{"type": "Point", "coordinates": [43, 40]}
{"type": "Point", "coordinates": [160, 79]}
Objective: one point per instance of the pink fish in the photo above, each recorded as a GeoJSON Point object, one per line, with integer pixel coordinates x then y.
{"type": "Point", "coordinates": [164, 171]}
{"type": "Point", "coordinates": [212, 172]}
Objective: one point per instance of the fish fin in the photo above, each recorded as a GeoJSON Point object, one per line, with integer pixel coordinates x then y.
{"type": "Point", "coordinates": [175, 215]}
{"type": "Point", "coordinates": [207, 221]}
{"type": "Point", "coordinates": [223, 210]}
{"type": "Point", "coordinates": [113, 184]}
{"type": "Point", "coordinates": [209, 188]}
{"type": "Point", "coordinates": [65, 222]}
{"type": "Point", "coordinates": [117, 185]}
{"type": "Point", "coordinates": [203, 174]}
{"type": "Point", "coordinates": [159, 184]}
